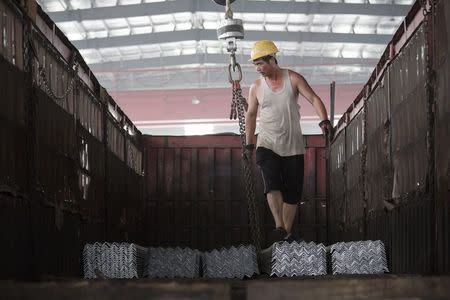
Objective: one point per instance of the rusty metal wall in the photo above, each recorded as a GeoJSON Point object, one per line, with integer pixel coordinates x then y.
{"type": "Point", "coordinates": [11, 26]}
{"type": "Point", "coordinates": [13, 148]}
{"type": "Point", "coordinates": [61, 183]}
{"type": "Point", "coordinates": [196, 198]}
{"type": "Point", "coordinates": [354, 186]}
{"type": "Point", "coordinates": [55, 152]}
{"type": "Point", "coordinates": [14, 205]}
{"type": "Point", "coordinates": [337, 202]}
{"type": "Point", "coordinates": [442, 133]}
{"type": "Point", "coordinates": [409, 105]}
{"type": "Point", "coordinates": [412, 199]}
{"type": "Point", "coordinates": [395, 196]}
{"type": "Point", "coordinates": [378, 164]}
{"type": "Point", "coordinates": [312, 217]}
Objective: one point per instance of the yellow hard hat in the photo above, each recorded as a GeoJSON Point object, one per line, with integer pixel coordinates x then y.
{"type": "Point", "coordinates": [262, 48]}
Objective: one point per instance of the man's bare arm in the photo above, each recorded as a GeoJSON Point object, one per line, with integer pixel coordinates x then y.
{"type": "Point", "coordinates": [306, 91]}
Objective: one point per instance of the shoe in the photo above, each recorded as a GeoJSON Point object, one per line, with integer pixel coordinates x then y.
{"type": "Point", "coordinates": [278, 234]}
{"type": "Point", "coordinates": [291, 238]}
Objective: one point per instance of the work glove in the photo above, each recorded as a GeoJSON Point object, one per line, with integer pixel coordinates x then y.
{"type": "Point", "coordinates": [248, 152]}
{"type": "Point", "coordinates": [327, 129]}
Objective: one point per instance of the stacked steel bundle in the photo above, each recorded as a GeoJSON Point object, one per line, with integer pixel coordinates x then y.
{"type": "Point", "coordinates": [114, 260]}
{"type": "Point", "coordinates": [173, 262]}
{"type": "Point", "coordinates": [298, 259]}
{"type": "Point", "coordinates": [362, 257]}
{"type": "Point", "coordinates": [234, 262]}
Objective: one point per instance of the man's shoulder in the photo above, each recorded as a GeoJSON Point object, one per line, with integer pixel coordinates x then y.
{"type": "Point", "coordinates": [293, 73]}
{"type": "Point", "coordinates": [256, 83]}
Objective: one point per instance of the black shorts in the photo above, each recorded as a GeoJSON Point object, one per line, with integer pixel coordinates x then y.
{"type": "Point", "coordinates": [281, 173]}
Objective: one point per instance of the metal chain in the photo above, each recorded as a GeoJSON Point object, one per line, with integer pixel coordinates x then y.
{"type": "Point", "coordinates": [430, 94]}
{"type": "Point", "coordinates": [132, 157]}
{"type": "Point", "coordinates": [49, 90]}
{"type": "Point", "coordinates": [423, 3]}
{"type": "Point", "coordinates": [30, 56]}
{"type": "Point", "coordinates": [364, 162]}
{"type": "Point", "coordinates": [239, 104]}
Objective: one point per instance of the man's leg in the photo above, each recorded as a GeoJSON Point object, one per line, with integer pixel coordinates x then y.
{"type": "Point", "coordinates": [293, 168]}
{"type": "Point", "coordinates": [270, 166]}
{"type": "Point", "coordinates": [275, 201]}
{"type": "Point", "coordinates": [289, 213]}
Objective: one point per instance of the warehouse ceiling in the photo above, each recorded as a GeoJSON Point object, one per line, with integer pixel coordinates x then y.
{"type": "Point", "coordinates": [141, 49]}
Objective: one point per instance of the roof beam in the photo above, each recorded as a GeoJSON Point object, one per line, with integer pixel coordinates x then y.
{"type": "Point", "coordinates": [215, 78]}
{"type": "Point", "coordinates": [161, 62]}
{"type": "Point", "coordinates": [203, 34]}
{"type": "Point", "coordinates": [169, 7]}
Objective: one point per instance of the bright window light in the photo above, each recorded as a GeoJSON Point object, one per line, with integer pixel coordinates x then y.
{"type": "Point", "coordinates": [184, 26]}
{"type": "Point", "coordinates": [253, 26]}
{"type": "Point", "coordinates": [119, 32]}
{"type": "Point", "coordinates": [189, 51]}
{"type": "Point", "coordinates": [75, 36]}
{"type": "Point", "coordinates": [97, 34]}
{"type": "Point", "coordinates": [275, 27]}
{"type": "Point", "coordinates": [210, 25]}
{"type": "Point", "coordinates": [161, 19]}
{"type": "Point", "coordinates": [141, 30]}
{"type": "Point", "coordinates": [183, 17]}
{"type": "Point", "coordinates": [139, 21]}
{"type": "Point", "coordinates": [164, 28]}
{"type": "Point", "coordinates": [198, 129]}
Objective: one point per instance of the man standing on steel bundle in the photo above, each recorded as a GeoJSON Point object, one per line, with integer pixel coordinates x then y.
{"type": "Point", "coordinates": [280, 145]}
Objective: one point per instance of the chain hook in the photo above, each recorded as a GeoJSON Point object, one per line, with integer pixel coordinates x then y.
{"type": "Point", "coordinates": [233, 61]}
{"type": "Point", "coordinates": [239, 73]}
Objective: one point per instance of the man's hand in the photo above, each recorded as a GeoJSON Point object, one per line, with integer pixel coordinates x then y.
{"type": "Point", "coordinates": [327, 129]}
{"type": "Point", "coordinates": [248, 152]}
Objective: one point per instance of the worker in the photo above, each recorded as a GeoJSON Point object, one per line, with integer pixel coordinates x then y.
{"type": "Point", "coordinates": [280, 145]}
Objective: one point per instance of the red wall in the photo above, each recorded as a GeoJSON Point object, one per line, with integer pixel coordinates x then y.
{"type": "Point", "coordinates": [195, 195]}
{"type": "Point", "coordinates": [215, 103]}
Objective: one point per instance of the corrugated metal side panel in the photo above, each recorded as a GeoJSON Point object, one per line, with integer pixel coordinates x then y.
{"type": "Point", "coordinates": [197, 181]}
{"type": "Point", "coordinates": [116, 198]}
{"type": "Point", "coordinates": [407, 77]}
{"type": "Point", "coordinates": [442, 133]}
{"type": "Point", "coordinates": [397, 166]}
{"type": "Point", "coordinates": [412, 236]}
{"type": "Point", "coordinates": [124, 202]}
{"type": "Point", "coordinates": [58, 76]}
{"type": "Point", "coordinates": [56, 165]}
{"type": "Point", "coordinates": [11, 46]}
{"type": "Point", "coordinates": [337, 203]}
{"type": "Point", "coordinates": [57, 242]}
{"type": "Point", "coordinates": [13, 149]}
{"type": "Point", "coordinates": [312, 209]}
{"type": "Point", "coordinates": [92, 190]}
{"type": "Point", "coordinates": [15, 239]}
{"type": "Point", "coordinates": [378, 165]}
{"type": "Point", "coordinates": [134, 203]}
{"type": "Point", "coordinates": [412, 217]}
{"type": "Point", "coordinates": [354, 179]}
{"type": "Point", "coordinates": [199, 187]}
{"type": "Point", "coordinates": [53, 165]}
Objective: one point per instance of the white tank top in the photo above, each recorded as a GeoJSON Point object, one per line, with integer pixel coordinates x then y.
{"type": "Point", "coordinates": [279, 119]}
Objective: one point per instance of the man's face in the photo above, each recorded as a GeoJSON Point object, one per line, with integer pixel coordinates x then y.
{"type": "Point", "coordinates": [262, 67]}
